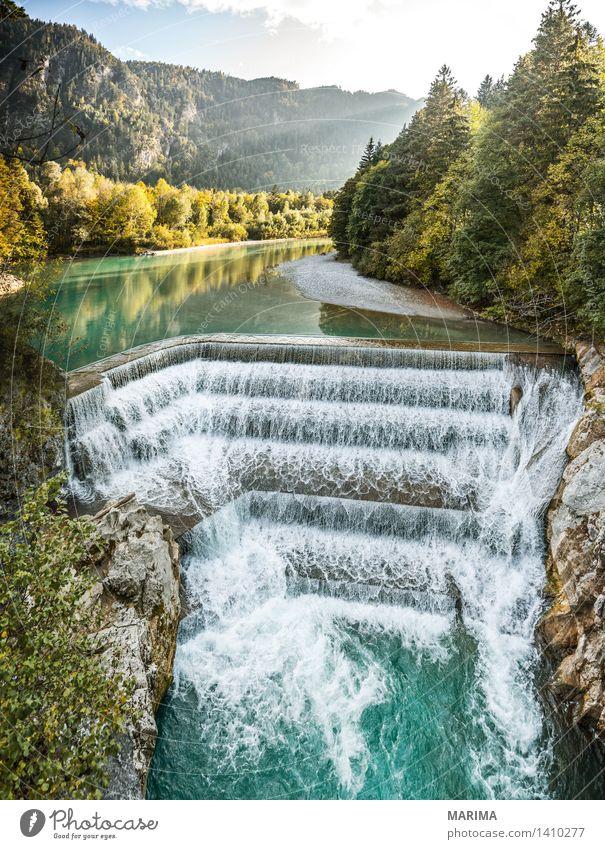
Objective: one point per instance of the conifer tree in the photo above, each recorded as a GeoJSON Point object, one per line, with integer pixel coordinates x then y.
{"type": "Point", "coordinates": [489, 91]}
{"type": "Point", "coordinates": [552, 92]}
{"type": "Point", "coordinates": [367, 157]}
{"type": "Point", "coordinates": [343, 203]}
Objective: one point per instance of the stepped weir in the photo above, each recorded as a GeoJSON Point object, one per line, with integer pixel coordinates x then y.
{"type": "Point", "coordinates": [364, 561]}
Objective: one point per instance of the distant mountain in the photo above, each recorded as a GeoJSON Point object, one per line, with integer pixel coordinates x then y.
{"type": "Point", "coordinates": [143, 120]}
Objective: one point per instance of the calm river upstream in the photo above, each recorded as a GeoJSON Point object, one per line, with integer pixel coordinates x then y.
{"type": "Point", "coordinates": [114, 303]}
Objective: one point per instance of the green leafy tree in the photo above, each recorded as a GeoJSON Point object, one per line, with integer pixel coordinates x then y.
{"type": "Point", "coordinates": [404, 175]}
{"type": "Point", "coordinates": [419, 249]}
{"type": "Point", "coordinates": [173, 206]}
{"type": "Point", "coordinates": [129, 219]}
{"type": "Point", "coordinates": [551, 93]}
{"type": "Point", "coordinates": [22, 236]}
{"type": "Point", "coordinates": [558, 277]}
{"type": "Point", "coordinates": [60, 710]}
{"type": "Point", "coordinates": [500, 200]}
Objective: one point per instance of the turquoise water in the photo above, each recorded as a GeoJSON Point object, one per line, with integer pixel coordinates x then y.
{"type": "Point", "coordinates": [115, 303]}
{"type": "Point", "coordinates": [413, 737]}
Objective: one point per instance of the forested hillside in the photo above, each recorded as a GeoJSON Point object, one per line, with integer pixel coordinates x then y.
{"type": "Point", "coordinates": [498, 198]}
{"type": "Point", "coordinates": [145, 120]}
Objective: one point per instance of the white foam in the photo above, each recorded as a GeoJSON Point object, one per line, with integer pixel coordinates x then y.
{"type": "Point", "coordinates": [274, 651]}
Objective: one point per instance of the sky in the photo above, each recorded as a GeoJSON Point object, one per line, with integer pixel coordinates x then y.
{"type": "Point", "coordinates": [357, 44]}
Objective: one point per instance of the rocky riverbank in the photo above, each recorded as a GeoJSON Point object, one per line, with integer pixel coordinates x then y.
{"type": "Point", "coordinates": [32, 396]}
{"type": "Point", "coordinates": [137, 593]}
{"type": "Point", "coordinates": [573, 629]}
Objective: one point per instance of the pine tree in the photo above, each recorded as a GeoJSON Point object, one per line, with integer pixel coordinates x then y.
{"type": "Point", "coordinates": [435, 138]}
{"type": "Point", "coordinates": [485, 91]}
{"type": "Point", "coordinates": [8, 9]}
{"type": "Point", "coordinates": [551, 92]}
{"type": "Point", "coordinates": [343, 203]}
{"type": "Point", "coordinates": [367, 158]}
{"type": "Point", "coordinates": [489, 91]}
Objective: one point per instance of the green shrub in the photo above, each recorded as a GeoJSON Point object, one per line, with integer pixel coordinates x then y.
{"type": "Point", "coordinates": [59, 710]}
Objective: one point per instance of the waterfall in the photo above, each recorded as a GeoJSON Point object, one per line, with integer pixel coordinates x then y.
{"type": "Point", "coordinates": [366, 572]}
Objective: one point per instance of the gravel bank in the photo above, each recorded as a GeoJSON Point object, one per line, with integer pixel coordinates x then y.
{"type": "Point", "coordinates": [322, 278]}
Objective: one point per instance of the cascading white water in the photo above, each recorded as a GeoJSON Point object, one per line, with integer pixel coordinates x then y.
{"type": "Point", "coordinates": [362, 505]}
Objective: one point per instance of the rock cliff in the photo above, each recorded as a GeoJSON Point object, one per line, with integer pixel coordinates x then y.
{"type": "Point", "coordinates": [138, 594]}
{"type": "Point", "coordinates": [573, 629]}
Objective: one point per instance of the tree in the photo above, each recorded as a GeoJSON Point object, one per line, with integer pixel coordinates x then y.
{"type": "Point", "coordinates": [558, 278]}
{"type": "Point", "coordinates": [22, 237]}
{"type": "Point", "coordinates": [70, 192]}
{"type": "Point", "coordinates": [437, 134]}
{"type": "Point", "coordinates": [173, 206]}
{"type": "Point", "coordinates": [489, 91]}
{"type": "Point", "coordinates": [404, 174]}
{"type": "Point", "coordinates": [200, 210]}
{"type": "Point", "coordinates": [8, 9]}
{"type": "Point", "coordinates": [343, 203]}
{"type": "Point", "coordinates": [367, 157]}
{"type": "Point", "coordinates": [130, 217]}
{"type": "Point", "coordinates": [419, 249]}
{"type": "Point", "coordinates": [219, 209]}
{"type": "Point", "coordinates": [585, 283]}
{"type": "Point", "coordinates": [60, 711]}
{"type": "Point", "coordinates": [367, 222]}
{"type": "Point", "coordinates": [524, 135]}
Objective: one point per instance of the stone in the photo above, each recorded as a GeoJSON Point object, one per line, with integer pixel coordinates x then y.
{"type": "Point", "coordinates": [558, 631]}
{"type": "Point", "coordinates": [572, 631]}
{"type": "Point", "coordinates": [584, 491]}
{"type": "Point", "coordinates": [516, 394]}
{"type": "Point", "coordinates": [139, 596]}
{"type": "Point", "coordinates": [590, 429]}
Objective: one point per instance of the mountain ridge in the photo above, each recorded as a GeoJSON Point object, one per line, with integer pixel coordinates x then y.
{"type": "Point", "coordinates": [147, 119]}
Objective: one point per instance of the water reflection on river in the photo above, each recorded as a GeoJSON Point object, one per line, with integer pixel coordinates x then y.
{"type": "Point", "coordinates": [114, 303]}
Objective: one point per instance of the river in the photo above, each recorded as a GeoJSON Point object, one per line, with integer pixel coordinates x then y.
{"type": "Point", "coordinates": [115, 303]}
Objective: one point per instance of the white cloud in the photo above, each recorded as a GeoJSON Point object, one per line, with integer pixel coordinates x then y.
{"type": "Point", "coordinates": [371, 44]}
{"type": "Point", "coordinates": [126, 53]}
{"type": "Point", "coordinates": [334, 18]}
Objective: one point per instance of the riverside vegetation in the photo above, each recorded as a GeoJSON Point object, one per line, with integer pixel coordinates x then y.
{"type": "Point", "coordinates": [60, 710]}
{"type": "Point", "coordinates": [77, 693]}
{"type": "Point", "coordinates": [73, 208]}
{"type": "Point", "coordinates": [500, 198]}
